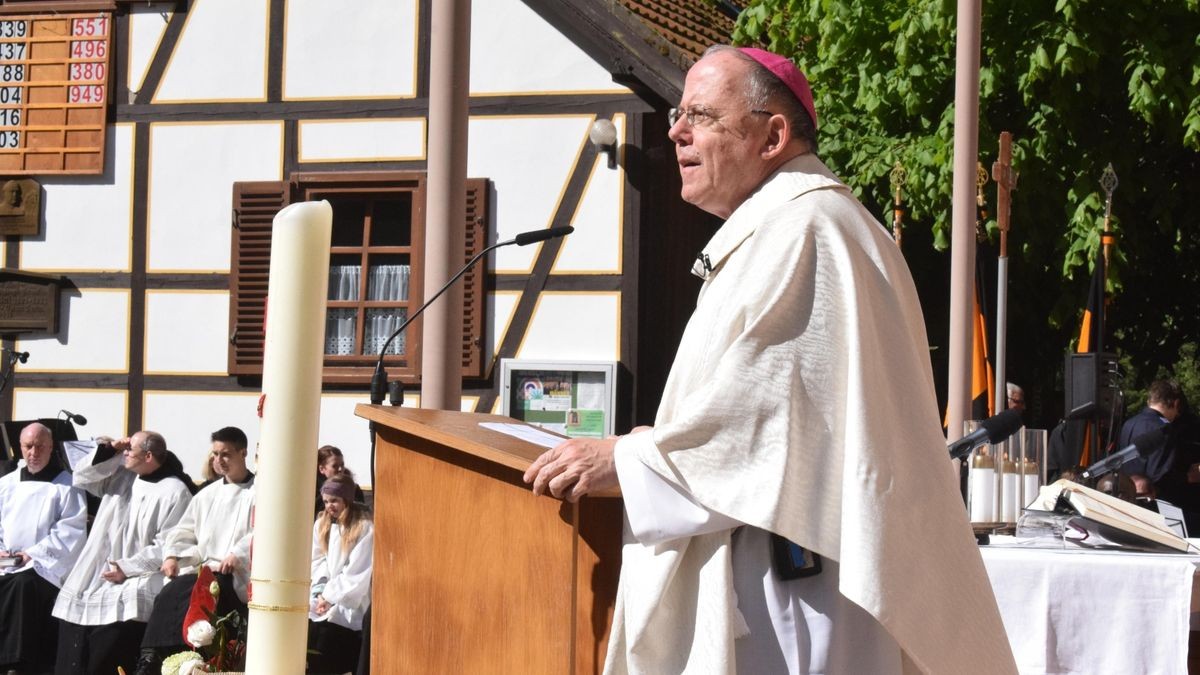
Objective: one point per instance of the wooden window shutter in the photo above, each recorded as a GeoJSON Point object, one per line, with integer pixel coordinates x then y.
{"type": "Point", "coordinates": [474, 286]}
{"type": "Point", "coordinates": [254, 207]}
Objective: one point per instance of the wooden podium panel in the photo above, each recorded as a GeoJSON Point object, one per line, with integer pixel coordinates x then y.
{"type": "Point", "coordinates": [474, 574]}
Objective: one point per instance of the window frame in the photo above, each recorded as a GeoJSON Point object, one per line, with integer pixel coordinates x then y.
{"type": "Point", "coordinates": [254, 207]}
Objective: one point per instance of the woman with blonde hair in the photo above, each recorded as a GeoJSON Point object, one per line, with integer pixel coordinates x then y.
{"type": "Point", "coordinates": [343, 540]}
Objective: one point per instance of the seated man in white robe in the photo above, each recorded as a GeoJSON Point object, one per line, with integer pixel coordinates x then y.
{"type": "Point", "coordinates": [105, 602]}
{"type": "Point", "coordinates": [799, 412]}
{"type": "Point", "coordinates": [215, 532]}
{"type": "Point", "coordinates": [42, 529]}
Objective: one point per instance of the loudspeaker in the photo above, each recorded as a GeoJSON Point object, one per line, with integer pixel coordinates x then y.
{"type": "Point", "coordinates": [1090, 385]}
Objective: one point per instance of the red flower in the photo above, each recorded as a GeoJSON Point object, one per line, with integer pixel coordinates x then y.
{"type": "Point", "coordinates": [203, 604]}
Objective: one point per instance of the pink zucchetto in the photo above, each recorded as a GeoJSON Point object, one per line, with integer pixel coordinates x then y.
{"type": "Point", "coordinates": [785, 70]}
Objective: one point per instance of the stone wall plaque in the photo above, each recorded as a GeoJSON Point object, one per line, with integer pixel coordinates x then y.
{"type": "Point", "coordinates": [29, 302]}
{"type": "Point", "coordinates": [20, 206]}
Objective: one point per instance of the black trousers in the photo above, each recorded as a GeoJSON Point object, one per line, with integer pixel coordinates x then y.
{"type": "Point", "coordinates": [98, 650]}
{"type": "Point", "coordinates": [165, 626]}
{"type": "Point", "coordinates": [30, 634]}
{"type": "Point", "coordinates": [332, 648]}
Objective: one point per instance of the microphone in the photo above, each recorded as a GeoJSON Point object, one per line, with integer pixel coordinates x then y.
{"type": "Point", "coordinates": [1142, 446]}
{"type": "Point", "coordinates": [77, 419]}
{"type": "Point", "coordinates": [379, 381]}
{"type": "Point", "coordinates": [992, 430]}
{"type": "Point", "coordinates": [23, 357]}
{"type": "Point", "coordinates": [526, 238]}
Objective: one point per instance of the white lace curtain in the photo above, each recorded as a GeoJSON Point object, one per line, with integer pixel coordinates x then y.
{"type": "Point", "coordinates": [387, 283]}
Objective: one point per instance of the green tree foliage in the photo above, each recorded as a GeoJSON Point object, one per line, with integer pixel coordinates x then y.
{"type": "Point", "coordinates": [1080, 84]}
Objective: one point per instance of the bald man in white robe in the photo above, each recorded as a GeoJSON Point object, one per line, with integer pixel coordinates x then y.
{"type": "Point", "coordinates": [43, 521]}
{"type": "Point", "coordinates": [800, 408]}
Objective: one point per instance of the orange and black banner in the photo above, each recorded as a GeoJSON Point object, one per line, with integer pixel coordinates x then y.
{"type": "Point", "coordinates": [1091, 339]}
{"type": "Point", "coordinates": [982, 375]}
{"type": "Point", "coordinates": [1091, 327]}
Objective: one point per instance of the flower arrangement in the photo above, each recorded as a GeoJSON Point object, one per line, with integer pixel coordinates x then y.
{"type": "Point", "coordinates": [219, 641]}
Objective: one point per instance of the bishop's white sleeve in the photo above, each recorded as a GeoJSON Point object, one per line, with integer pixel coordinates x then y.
{"type": "Point", "coordinates": [351, 586]}
{"type": "Point", "coordinates": [659, 511]}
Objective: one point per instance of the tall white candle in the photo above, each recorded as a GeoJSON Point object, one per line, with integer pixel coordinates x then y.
{"type": "Point", "coordinates": [280, 569]}
{"type": "Point", "coordinates": [982, 488]}
{"type": "Point", "coordinates": [1008, 491]}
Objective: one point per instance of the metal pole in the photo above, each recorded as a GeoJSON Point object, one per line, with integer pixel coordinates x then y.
{"type": "Point", "coordinates": [962, 242]}
{"type": "Point", "coordinates": [445, 234]}
{"type": "Point", "coordinates": [1005, 179]}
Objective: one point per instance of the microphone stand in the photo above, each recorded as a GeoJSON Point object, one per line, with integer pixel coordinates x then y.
{"type": "Point", "coordinates": [379, 379]}
{"type": "Point", "coordinates": [13, 357]}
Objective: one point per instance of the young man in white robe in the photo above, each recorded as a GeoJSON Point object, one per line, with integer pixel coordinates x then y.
{"type": "Point", "coordinates": [214, 531]}
{"type": "Point", "coordinates": [43, 522]}
{"type": "Point", "coordinates": [800, 411]}
{"type": "Point", "coordinates": [106, 599]}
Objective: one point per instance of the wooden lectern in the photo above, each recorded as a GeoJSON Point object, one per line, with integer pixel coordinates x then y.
{"type": "Point", "coordinates": [473, 573]}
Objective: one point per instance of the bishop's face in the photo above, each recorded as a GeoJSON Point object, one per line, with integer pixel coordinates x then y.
{"type": "Point", "coordinates": [718, 138]}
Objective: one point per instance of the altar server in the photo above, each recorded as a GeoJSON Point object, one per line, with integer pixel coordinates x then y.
{"type": "Point", "coordinates": [42, 529]}
{"type": "Point", "coordinates": [215, 531]}
{"type": "Point", "coordinates": [107, 598]}
{"type": "Point", "coordinates": [343, 541]}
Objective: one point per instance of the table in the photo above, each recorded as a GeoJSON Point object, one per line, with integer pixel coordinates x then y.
{"type": "Point", "coordinates": [1093, 612]}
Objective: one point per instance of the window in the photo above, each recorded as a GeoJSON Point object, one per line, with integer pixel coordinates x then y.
{"type": "Point", "coordinates": [375, 270]}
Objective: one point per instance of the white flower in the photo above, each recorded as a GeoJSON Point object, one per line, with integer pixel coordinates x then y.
{"type": "Point", "coordinates": [193, 667]}
{"type": "Point", "coordinates": [175, 664]}
{"type": "Point", "coordinates": [201, 633]}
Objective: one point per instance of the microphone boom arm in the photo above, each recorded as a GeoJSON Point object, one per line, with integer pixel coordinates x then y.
{"type": "Point", "coordinates": [379, 378]}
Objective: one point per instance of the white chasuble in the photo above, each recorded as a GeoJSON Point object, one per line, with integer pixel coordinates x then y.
{"type": "Point", "coordinates": [801, 402]}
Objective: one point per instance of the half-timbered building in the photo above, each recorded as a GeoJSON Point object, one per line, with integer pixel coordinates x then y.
{"type": "Point", "coordinates": [163, 137]}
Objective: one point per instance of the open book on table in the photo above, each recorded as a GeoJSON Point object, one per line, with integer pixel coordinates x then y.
{"type": "Point", "coordinates": [1104, 521]}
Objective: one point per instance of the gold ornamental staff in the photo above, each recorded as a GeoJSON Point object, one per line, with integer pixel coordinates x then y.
{"type": "Point", "coordinates": [898, 176]}
{"type": "Point", "coordinates": [1006, 181]}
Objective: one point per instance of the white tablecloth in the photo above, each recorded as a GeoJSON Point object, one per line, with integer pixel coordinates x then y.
{"type": "Point", "coordinates": [1088, 612]}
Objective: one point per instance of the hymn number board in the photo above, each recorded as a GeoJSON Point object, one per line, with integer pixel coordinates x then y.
{"type": "Point", "coordinates": [53, 93]}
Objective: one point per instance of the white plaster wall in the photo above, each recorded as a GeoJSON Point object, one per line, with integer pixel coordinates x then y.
{"type": "Point", "coordinates": [574, 325]}
{"type": "Point", "coordinates": [362, 140]}
{"type": "Point", "coordinates": [502, 306]}
{"type": "Point", "coordinates": [187, 420]}
{"type": "Point", "coordinates": [105, 409]}
{"type": "Point", "coordinates": [93, 335]}
{"type": "Point", "coordinates": [87, 220]}
{"type": "Point", "coordinates": [529, 160]}
{"type": "Point", "coordinates": [221, 54]}
{"type": "Point", "coordinates": [333, 51]}
{"type": "Point", "coordinates": [201, 348]}
{"type": "Point", "coordinates": [147, 23]}
{"type": "Point", "coordinates": [515, 51]}
{"type": "Point", "coordinates": [193, 168]}
{"type": "Point", "coordinates": [595, 245]}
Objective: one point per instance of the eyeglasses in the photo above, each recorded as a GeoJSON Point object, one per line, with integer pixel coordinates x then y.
{"type": "Point", "coordinates": [699, 115]}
